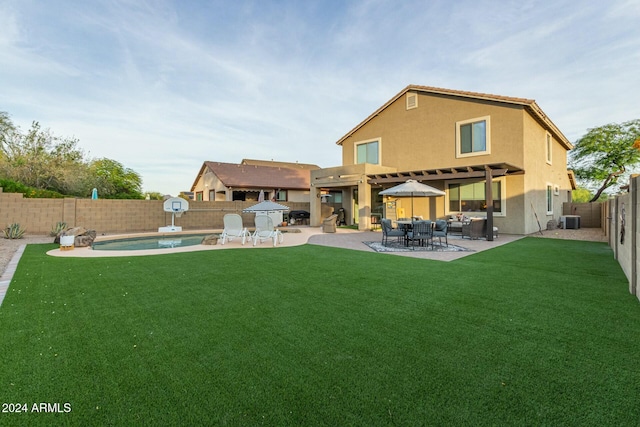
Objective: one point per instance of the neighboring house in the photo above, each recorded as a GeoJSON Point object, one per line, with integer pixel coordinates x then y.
{"type": "Point", "coordinates": [464, 143]}
{"type": "Point", "coordinates": [281, 181]}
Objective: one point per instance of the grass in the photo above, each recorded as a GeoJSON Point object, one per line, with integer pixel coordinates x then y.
{"type": "Point", "coordinates": [536, 332]}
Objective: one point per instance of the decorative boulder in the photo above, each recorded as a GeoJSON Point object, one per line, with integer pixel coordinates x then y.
{"type": "Point", "coordinates": [83, 237]}
{"type": "Point", "coordinates": [210, 240]}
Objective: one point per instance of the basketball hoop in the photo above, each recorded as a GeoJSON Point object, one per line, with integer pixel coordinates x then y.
{"type": "Point", "coordinates": [176, 206]}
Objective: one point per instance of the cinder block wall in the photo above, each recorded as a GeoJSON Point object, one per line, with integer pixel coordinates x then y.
{"type": "Point", "coordinates": [590, 213]}
{"type": "Point", "coordinates": [624, 224]}
{"type": "Point", "coordinates": [39, 216]}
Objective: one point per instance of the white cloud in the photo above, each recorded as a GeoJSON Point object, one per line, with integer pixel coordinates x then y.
{"type": "Point", "coordinates": [161, 86]}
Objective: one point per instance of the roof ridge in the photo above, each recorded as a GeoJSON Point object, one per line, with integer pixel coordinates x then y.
{"type": "Point", "coordinates": [470, 94]}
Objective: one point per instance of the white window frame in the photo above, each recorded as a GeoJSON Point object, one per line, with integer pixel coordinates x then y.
{"type": "Point", "coordinates": [548, 144]}
{"type": "Point", "coordinates": [503, 197]}
{"type": "Point", "coordinates": [364, 142]}
{"type": "Point", "coordinates": [487, 150]}
{"type": "Point", "coordinates": [414, 97]}
{"type": "Point", "coordinates": [548, 198]}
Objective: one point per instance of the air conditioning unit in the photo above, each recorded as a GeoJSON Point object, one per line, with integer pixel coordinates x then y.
{"type": "Point", "coordinates": [570, 221]}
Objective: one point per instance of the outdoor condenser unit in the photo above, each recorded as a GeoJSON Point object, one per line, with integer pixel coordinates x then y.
{"type": "Point", "coordinates": [570, 221]}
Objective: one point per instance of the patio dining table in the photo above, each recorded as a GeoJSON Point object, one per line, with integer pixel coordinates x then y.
{"type": "Point", "coordinates": [405, 225]}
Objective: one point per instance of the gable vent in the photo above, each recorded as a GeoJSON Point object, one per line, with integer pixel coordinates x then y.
{"type": "Point", "coordinates": [412, 101]}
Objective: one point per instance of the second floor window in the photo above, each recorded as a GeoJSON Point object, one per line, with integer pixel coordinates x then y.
{"type": "Point", "coordinates": [473, 137]}
{"type": "Point", "coordinates": [368, 152]}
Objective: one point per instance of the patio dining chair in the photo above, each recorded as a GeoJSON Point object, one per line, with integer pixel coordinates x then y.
{"type": "Point", "coordinates": [440, 231]}
{"type": "Point", "coordinates": [421, 232]}
{"type": "Point", "coordinates": [265, 230]}
{"type": "Point", "coordinates": [233, 228]}
{"type": "Point", "coordinates": [389, 231]}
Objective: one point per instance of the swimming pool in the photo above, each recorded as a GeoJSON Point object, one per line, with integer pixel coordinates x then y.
{"type": "Point", "coordinates": [149, 242]}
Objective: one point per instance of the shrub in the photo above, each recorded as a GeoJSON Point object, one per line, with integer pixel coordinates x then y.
{"type": "Point", "coordinates": [14, 231]}
{"type": "Point", "coordinates": [60, 226]}
{"type": "Point", "coordinates": [10, 186]}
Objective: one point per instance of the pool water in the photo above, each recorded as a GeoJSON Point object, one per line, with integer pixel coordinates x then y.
{"type": "Point", "coordinates": [149, 242]}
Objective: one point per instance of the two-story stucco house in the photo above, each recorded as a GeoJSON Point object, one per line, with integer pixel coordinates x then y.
{"type": "Point", "coordinates": [494, 156]}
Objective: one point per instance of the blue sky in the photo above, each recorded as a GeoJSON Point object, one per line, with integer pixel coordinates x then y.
{"type": "Point", "coordinates": [162, 86]}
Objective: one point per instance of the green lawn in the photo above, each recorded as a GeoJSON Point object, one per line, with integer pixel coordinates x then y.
{"type": "Point", "coordinates": [536, 332]}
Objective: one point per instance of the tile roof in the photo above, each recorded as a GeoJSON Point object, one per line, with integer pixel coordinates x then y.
{"type": "Point", "coordinates": [255, 176]}
{"type": "Point", "coordinates": [529, 104]}
{"type": "Point", "coordinates": [272, 163]}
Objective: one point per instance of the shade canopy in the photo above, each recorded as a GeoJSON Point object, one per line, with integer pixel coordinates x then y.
{"type": "Point", "coordinates": [266, 206]}
{"type": "Point", "coordinates": [412, 188]}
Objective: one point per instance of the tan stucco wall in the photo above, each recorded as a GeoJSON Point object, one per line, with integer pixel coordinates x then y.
{"type": "Point", "coordinates": [424, 137]}
{"type": "Point", "coordinates": [539, 173]}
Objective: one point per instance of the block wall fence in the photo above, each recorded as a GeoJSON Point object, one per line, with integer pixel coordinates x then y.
{"type": "Point", "coordinates": [39, 216]}
{"type": "Point", "coordinates": [623, 220]}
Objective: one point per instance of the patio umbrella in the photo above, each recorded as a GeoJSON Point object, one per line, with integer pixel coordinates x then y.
{"type": "Point", "coordinates": [261, 196]}
{"type": "Point", "coordinates": [94, 194]}
{"type": "Point", "coordinates": [266, 206]}
{"type": "Point", "coordinates": [412, 188]}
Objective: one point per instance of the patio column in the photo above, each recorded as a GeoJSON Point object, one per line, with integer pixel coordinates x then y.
{"type": "Point", "coordinates": [489, 200]}
{"type": "Point", "coordinates": [364, 204]}
{"type": "Point", "coordinates": [315, 207]}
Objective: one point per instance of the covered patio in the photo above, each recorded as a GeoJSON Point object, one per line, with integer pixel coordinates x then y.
{"type": "Point", "coordinates": [362, 183]}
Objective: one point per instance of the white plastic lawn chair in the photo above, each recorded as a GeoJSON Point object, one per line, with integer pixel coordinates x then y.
{"type": "Point", "coordinates": [265, 230]}
{"type": "Point", "coordinates": [233, 228]}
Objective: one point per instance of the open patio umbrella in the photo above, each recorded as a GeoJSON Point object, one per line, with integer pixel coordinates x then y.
{"type": "Point", "coordinates": [266, 206]}
{"type": "Point", "coordinates": [272, 209]}
{"type": "Point", "coordinates": [412, 188]}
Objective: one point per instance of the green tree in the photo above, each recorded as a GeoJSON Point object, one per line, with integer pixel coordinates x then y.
{"type": "Point", "coordinates": [7, 129]}
{"type": "Point", "coordinates": [154, 195]}
{"type": "Point", "coordinates": [114, 181]}
{"type": "Point", "coordinates": [584, 195]}
{"type": "Point", "coordinates": [602, 157]}
{"type": "Point", "coordinates": [40, 160]}
{"type": "Point", "coordinates": [43, 162]}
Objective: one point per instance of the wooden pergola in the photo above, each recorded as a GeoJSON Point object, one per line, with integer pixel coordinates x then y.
{"type": "Point", "coordinates": [485, 171]}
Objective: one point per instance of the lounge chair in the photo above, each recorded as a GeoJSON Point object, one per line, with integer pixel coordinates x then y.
{"type": "Point", "coordinates": [475, 228]}
{"type": "Point", "coordinates": [389, 231]}
{"type": "Point", "coordinates": [265, 230]}
{"type": "Point", "coordinates": [233, 228]}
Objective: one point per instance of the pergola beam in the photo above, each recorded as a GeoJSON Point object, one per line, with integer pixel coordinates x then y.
{"type": "Point", "coordinates": [465, 172]}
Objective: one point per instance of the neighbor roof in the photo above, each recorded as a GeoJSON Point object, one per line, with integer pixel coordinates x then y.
{"type": "Point", "coordinates": [258, 177]}
{"type": "Point", "coordinates": [272, 163]}
{"type": "Point", "coordinates": [529, 105]}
